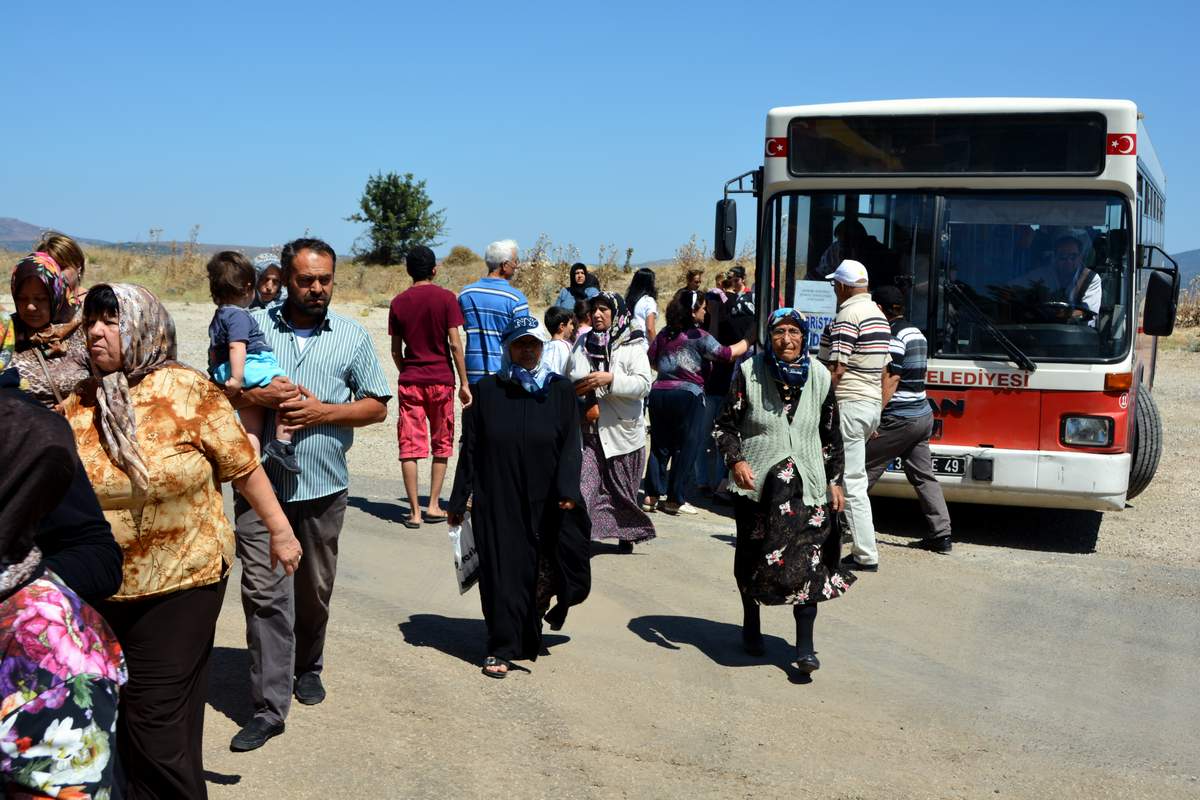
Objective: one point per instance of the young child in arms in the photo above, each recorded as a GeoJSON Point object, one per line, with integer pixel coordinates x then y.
{"type": "Point", "coordinates": [238, 354]}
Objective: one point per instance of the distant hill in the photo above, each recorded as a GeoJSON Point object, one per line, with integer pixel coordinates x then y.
{"type": "Point", "coordinates": [17, 235]}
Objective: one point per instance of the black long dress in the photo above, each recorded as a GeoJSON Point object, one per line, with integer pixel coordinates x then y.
{"type": "Point", "coordinates": [520, 454]}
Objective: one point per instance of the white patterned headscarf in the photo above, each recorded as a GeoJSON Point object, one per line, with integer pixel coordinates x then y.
{"type": "Point", "coordinates": [147, 344]}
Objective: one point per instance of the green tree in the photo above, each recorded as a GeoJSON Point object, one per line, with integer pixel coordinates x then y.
{"type": "Point", "coordinates": [401, 217]}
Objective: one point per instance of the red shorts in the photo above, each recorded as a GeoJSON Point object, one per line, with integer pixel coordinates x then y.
{"type": "Point", "coordinates": [418, 404]}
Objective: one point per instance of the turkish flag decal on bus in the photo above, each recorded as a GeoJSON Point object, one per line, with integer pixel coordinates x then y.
{"type": "Point", "coordinates": [1122, 144]}
{"type": "Point", "coordinates": [777, 147]}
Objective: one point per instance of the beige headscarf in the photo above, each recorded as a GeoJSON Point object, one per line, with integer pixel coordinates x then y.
{"type": "Point", "coordinates": [147, 343]}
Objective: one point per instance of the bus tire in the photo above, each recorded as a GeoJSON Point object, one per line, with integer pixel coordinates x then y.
{"type": "Point", "coordinates": [1147, 444]}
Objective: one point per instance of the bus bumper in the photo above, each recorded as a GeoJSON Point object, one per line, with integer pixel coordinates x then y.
{"type": "Point", "coordinates": [1086, 481]}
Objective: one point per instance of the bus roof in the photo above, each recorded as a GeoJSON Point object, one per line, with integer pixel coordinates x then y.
{"type": "Point", "coordinates": [953, 105]}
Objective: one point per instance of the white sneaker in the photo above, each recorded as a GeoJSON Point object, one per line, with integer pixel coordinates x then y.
{"type": "Point", "coordinates": [688, 508]}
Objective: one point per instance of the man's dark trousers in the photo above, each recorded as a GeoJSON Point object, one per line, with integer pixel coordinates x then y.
{"type": "Point", "coordinates": [908, 438]}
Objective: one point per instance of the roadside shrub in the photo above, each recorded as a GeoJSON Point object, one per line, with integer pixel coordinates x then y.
{"type": "Point", "coordinates": [460, 256]}
{"type": "Point", "coordinates": [1189, 305]}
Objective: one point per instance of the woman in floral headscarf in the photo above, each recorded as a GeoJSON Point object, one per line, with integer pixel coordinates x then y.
{"type": "Point", "coordinates": [612, 374]}
{"type": "Point", "coordinates": [48, 347]}
{"type": "Point", "coordinates": [779, 434]}
{"type": "Point", "coordinates": [158, 438]}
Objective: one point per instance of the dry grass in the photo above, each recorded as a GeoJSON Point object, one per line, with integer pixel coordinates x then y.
{"type": "Point", "coordinates": [1189, 305]}
{"type": "Point", "coordinates": [179, 273]}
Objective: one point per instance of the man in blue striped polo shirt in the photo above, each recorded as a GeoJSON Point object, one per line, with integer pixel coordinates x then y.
{"type": "Point", "coordinates": [488, 305]}
{"type": "Point", "coordinates": [907, 421]}
{"type": "Point", "coordinates": [337, 385]}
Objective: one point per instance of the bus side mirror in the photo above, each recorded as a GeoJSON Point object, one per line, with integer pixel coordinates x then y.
{"type": "Point", "coordinates": [1162, 299]}
{"type": "Point", "coordinates": [725, 236]}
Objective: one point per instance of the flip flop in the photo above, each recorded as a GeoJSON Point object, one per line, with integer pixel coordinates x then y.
{"type": "Point", "coordinates": [408, 523]}
{"type": "Point", "coordinates": [492, 661]}
{"type": "Point", "coordinates": [435, 517]}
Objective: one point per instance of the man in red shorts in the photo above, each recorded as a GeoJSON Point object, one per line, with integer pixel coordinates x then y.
{"type": "Point", "coordinates": [423, 324]}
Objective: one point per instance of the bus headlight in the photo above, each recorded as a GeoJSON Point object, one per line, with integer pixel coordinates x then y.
{"type": "Point", "coordinates": [1087, 431]}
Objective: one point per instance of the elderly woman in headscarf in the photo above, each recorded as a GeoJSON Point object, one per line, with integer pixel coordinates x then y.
{"type": "Point", "coordinates": [268, 281]}
{"type": "Point", "coordinates": [581, 285]}
{"type": "Point", "coordinates": [48, 344]}
{"type": "Point", "coordinates": [612, 374]}
{"type": "Point", "coordinates": [779, 434]}
{"type": "Point", "coordinates": [60, 664]}
{"type": "Point", "coordinates": [158, 439]}
{"type": "Point", "coordinates": [519, 464]}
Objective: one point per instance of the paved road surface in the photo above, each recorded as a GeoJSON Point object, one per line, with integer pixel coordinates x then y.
{"type": "Point", "coordinates": [999, 671]}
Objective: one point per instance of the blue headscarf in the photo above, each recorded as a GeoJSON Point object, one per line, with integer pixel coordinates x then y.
{"type": "Point", "coordinates": [537, 381]}
{"type": "Point", "coordinates": [795, 373]}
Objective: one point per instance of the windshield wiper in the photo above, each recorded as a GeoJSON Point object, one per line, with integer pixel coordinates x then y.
{"type": "Point", "coordinates": [1017, 354]}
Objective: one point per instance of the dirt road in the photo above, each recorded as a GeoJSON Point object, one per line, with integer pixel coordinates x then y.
{"type": "Point", "coordinates": [1019, 666]}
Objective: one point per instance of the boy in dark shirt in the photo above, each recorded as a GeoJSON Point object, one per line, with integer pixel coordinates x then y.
{"type": "Point", "coordinates": [238, 354]}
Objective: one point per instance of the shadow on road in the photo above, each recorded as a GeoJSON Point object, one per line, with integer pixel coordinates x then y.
{"type": "Point", "coordinates": [221, 779]}
{"type": "Point", "coordinates": [1042, 529]}
{"type": "Point", "coordinates": [719, 641]}
{"type": "Point", "coordinates": [465, 639]}
{"type": "Point", "coordinates": [394, 511]}
{"type": "Point", "coordinates": [229, 684]}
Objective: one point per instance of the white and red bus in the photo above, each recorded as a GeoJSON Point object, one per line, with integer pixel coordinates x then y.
{"type": "Point", "coordinates": [1026, 235]}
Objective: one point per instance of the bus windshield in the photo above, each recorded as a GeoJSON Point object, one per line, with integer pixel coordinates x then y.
{"type": "Point", "coordinates": [1048, 271]}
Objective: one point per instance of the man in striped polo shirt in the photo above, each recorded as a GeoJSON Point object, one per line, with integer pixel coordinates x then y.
{"type": "Point", "coordinates": [337, 385]}
{"type": "Point", "coordinates": [488, 305]}
{"type": "Point", "coordinates": [855, 348]}
{"type": "Point", "coordinates": [907, 421]}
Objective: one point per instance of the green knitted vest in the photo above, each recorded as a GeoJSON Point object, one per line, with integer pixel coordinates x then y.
{"type": "Point", "coordinates": [768, 437]}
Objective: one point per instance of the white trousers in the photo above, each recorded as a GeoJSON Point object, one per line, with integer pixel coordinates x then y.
{"type": "Point", "coordinates": [860, 418]}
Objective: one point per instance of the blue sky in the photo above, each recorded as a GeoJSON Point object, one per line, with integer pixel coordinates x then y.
{"type": "Point", "coordinates": [599, 123]}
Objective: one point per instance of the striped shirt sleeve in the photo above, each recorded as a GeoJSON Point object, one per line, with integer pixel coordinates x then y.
{"type": "Point", "coordinates": [366, 378]}
{"type": "Point", "coordinates": [843, 336]}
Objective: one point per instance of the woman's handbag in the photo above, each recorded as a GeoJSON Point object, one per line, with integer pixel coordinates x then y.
{"type": "Point", "coordinates": [466, 557]}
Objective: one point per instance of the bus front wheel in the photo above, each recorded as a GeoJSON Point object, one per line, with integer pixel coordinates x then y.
{"type": "Point", "coordinates": [1147, 443]}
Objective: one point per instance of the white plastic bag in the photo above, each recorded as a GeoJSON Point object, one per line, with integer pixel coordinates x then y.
{"type": "Point", "coordinates": [466, 557]}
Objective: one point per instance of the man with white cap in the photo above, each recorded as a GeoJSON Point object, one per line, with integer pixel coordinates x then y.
{"type": "Point", "coordinates": [855, 348]}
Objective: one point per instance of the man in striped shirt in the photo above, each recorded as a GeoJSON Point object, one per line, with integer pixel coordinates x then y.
{"type": "Point", "coordinates": [488, 305]}
{"type": "Point", "coordinates": [907, 421]}
{"type": "Point", "coordinates": [855, 348]}
{"type": "Point", "coordinates": [337, 385]}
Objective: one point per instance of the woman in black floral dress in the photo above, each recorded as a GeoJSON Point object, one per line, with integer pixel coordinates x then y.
{"type": "Point", "coordinates": [779, 434]}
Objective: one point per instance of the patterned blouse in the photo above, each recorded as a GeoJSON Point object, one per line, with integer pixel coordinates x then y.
{"type": "Point", "coordinates": [60, 670]}
{"type": "Point", "coordinates": [62, 372]}
{"type": "Point", "coordinates": [177, 536]}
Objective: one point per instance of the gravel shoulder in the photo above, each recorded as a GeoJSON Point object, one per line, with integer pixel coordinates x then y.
{"type": "Point", "coordinates": [1018, 666]}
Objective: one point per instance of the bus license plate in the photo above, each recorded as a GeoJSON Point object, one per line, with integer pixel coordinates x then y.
{"type": "Point", "coordinates": [942, 465]}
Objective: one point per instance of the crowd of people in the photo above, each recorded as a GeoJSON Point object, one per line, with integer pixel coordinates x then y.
{"type": "Point", "coordinates": [577, 427]}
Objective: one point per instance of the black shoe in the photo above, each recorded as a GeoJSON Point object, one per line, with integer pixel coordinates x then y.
{"type": "Point", "coordinates": [624, 547]}
{"type": "Point", "coordinates": [752, 643]}
{"type": "Point", "coordinates": [934, 544]}
{"type": "Point", "coordinates": [849, 563]}
{"type": "Point", "coordinates": [808, 663]}
{"type": "Point", "coordinates": [283, 454]}
{"type": "Point", "coordinates": [254, 735]}
{"type": "Point", "coordinates": [309, 690]}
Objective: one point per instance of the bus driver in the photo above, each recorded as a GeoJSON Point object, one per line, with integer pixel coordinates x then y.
{"type": "Point", "coordinates": [1067, 279]}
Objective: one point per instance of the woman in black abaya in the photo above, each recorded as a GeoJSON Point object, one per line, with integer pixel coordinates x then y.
{"type": "Point", "coordinates": [519, 464]}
